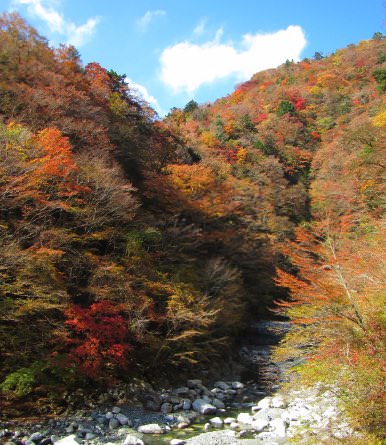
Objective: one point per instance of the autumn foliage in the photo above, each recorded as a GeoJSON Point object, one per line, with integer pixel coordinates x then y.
{"type": "Point", "coordinates": [101, 337]}
{"type": "Point", "coordinates": [134, 246]}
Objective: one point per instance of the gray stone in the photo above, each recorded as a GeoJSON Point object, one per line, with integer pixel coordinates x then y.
{"type": "Point", "coordinates": [222, 385]}
{"type": "Point", "coordinates": [204, 390]}
{"type": "Point", "coordinates": [193, 383]}
{"type": "Point", "coordinates": [183, 425]}
{"type": "Point", "coordinates": [237, 385]}
{"type": "Point", "coordinates": [166, 408]}
{"type": "Point", "coordinates": [234, 425]}
{"type": "Point", "coordinates": [203, 407]}
{"type": "Point", "coordinates": [90, 436]}
{"type": "Point", "coordinates": [231, 392]}
{"type": "Point", "coordinates": [122, 419]}
{"type": "Point", "coordinates": [113, 423]}
{"type": "Point", "coordinates": [116, 410]}
{"type": "Point", "coordinates": [186, 404]}
{"type": "Point", "coordinates": [151, 428]}
{"type": "Point", "coordinates": [218, 403]}
{"type": "Point", "coordinates": [109, 415]}
{"type": "Point", "coordinates": [177, 442]}
{"type": "Point", "coordinates": [151, 402]}
{"type": "Point", "coordinates": [35, 437]}
{"type": "Point", "coordinates": [182, 391]}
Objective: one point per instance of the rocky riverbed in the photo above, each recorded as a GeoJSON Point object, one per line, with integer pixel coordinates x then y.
{"type": "Point", "coordinates": [277, 419]}
{"type": "Point", "coordinates": [226, 412]}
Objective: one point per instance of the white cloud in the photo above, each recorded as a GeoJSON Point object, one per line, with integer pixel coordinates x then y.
{"type": "Point", "coordinates": [144, 21]}
{"type": "Point", "coordinates": [186, 66]}
{"type": "Point", "coordinates": [141, 91]}
{"type": "Point", "coordinates": [200, 28]}
{"type": "Point", "coordinates": [45, 11]}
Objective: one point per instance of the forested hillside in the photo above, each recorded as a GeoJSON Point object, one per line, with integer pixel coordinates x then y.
{"type": "Point", "coordinates": [302, 151]}
{"type": "Point", "coordinates": [132, 245]}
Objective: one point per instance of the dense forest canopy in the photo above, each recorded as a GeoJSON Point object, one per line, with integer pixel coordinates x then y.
{"type": "Point", "coordinates": [131, 245]}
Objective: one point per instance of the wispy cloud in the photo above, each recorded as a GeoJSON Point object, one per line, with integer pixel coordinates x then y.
{"type": "Point", "coordinates": [141, 91]}
{"type": "Point", "coordinates": [144, 21]}
{"type": "Point", "coordinates": [46, 11]}
{"type": "Point", "coordinates": [200, 27]}
{"type": "Point", "coordinates": [186, 66]}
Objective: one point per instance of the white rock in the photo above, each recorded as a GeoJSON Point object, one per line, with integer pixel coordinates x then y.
{"type": "Point", "coordinates": [244, 418]}
{"type": "Point", "coordinates": [207, 427]}
{"type": "Point", "coordinates": [264, 403]}
{"type": "Point", "coordinates": [274, 413]}
{"type": "Point", "coordinates": [151, 428]}
{"type": "Point", "coordinates": [116, 410]}
{"type": "Point", "coordinates": [203, 407]}
{"type": "Point", "coordinates": [259, 424]}
{"type": "Point", "coordinates": [234, 425]}
{"type": "Point", "coordinates": [278, 427]}
{"type": "Point", "coordinates": [132, 440]}
{"type": "Point", "coordinates": [216, 422]}
{"type": "Point", "coordinates": [177, 442]}
{"type": "Point", "coordinates": [229, 420]}
{"type": "Point", "coordinates": [68, 440]}
{"type": "Point", "coordinates": [237, 385]}
{"type": "Point", "coordinates": [278, 402]}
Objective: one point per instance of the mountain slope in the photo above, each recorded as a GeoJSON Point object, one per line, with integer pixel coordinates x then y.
{"type": "Point", "coordinates": [133, 246]}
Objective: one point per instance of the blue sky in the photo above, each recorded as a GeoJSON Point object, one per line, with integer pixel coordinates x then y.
{"type": "Point", "coordinates": [176, 50]}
